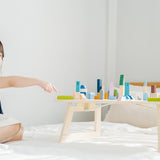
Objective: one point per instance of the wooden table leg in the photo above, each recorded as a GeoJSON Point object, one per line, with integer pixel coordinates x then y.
{"type": "Point", "coordinates": [66, 124]}
{"type": "Point", "coordinates": [158, 125]}
{"type": "Point", "coordinates": [98, 121]}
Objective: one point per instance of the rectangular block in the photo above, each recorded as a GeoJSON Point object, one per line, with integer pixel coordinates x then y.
{"type": "Point", "coordinates": [127, 88]}
{"type": "Point", "coordinates": [111, 89]}
{"type": "Point", "coordinates": [112, 97]}
{"type": "Point", "coordinates": [76, 95]}
{"type": "Point", "coordinates": [90, 95]}
{"type": "Point", "coordinates": [145, 96]}
{"type": "Point", "coordinates": [106, 95]}
{"type": "Point", "coordinates": [115, 92]}
{"type": "Point", "coordinates": [121, 81]}
{"type": "Point", "coordinates": [64, 97]}
{"type": "Point", "coordinates": [98, 95]}
{"type": "Point", "coordinates": [144, 89]}
{"type": "Point", "coordinates": [153, 95]}
{"type": "Point", "coordinates": [99, 85]}
{"type": "Point", "coordinates": [153, 99]}
{"type": "Point", "coordinates": [121, 91]}
{"type": "Point", "coordinates": [78, 83]}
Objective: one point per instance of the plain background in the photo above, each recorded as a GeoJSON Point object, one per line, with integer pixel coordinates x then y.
{"type": "Point", "coordinates": [59, 41]}
{"type": "Point", "coordinates": [62, 41]}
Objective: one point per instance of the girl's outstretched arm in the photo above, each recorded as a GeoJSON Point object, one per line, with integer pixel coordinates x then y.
{"type": "Point", "coordinates": [19, 81]}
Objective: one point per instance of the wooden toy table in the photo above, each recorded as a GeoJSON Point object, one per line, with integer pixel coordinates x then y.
{"type": "Point", "coordinates": [95, 105]}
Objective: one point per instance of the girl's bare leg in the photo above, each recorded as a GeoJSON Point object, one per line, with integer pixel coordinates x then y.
{"type": "Point", "coordinates": [9, 131]}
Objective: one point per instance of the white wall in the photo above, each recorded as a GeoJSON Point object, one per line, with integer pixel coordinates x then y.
{"type": "Point", "coordinates": [55, 40]}
{"type": "Point", "coordinates": [138, 38]}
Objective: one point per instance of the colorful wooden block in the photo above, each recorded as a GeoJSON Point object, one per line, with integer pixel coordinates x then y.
{"type": "Point", "coordinates": [90, 95]}
{"type": "Point", "coordinates": [76, 95]}
{"type": "Point", "coordinates": [153, 95]}
{"type": "Point", "coordinates": [112, 97]}
{"type": "Point", "coordinates": [144, 89]}
{"type": "Point", "coordinates": [127, 88]}
{"type": "Point", "coordinates": [115, 92]}
{"type": "Point", "coordinates": [64, 97]}
{"type": "Point", "coordinates": [153, 99]}
{"type": "Point", "coordinates": [78, 84]}
{"type": "Point", "coordinates": [121, 91]}
{"type": "Point", "coordinates": [111, 89]}
{"type": "Point", "coordinates": [99, 85]}
{"type": "Point", "coordinates": [145, 96]}
{"type": "Point", "coordinates": [106, 95]}
{"type": "Point", "coordinates": [82, 96]}
{"type": "Point", "coordinates": [121, 81]}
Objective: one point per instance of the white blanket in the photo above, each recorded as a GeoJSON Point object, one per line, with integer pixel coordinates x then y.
{"type": "Point", "coordinates": [118, 142]}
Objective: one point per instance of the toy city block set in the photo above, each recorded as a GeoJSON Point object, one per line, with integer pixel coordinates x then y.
{"type": "Point", "coordinates": [112, 94]}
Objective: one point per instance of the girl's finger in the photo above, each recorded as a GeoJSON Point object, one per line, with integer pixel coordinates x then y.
{"type": "Point", "coordinates": [54, 89]}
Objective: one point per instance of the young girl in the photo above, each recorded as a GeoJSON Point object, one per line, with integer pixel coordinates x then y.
{"type": "Point", "coordinates": [10, 129]}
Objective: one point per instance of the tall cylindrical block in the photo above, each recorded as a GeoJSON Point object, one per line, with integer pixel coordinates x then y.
{"type": "Point", "coordinates": [153, 89]}
{"type": "Point", "coordinates": [78, 84]}
{"type": "Point", "coordinates": [127, 88]}
{"type": "Point", "coordinates": [121, 81]}
{"type": "Point", "coordinates": [99, 85]}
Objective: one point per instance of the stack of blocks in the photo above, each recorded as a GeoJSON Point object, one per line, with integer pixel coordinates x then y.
{"type": "Point", "coordinates": [145, 94]}
{"type": "Point", "coordinates": [121, 87]}
{"type": "Point", "coordinates": [99, 87]}
{"type": "Point", "coordinates": [153, 93]}
{"type": "Point", "coordinates": [112, 95]}
{"type": "Point", "coordinates": [77, 95]}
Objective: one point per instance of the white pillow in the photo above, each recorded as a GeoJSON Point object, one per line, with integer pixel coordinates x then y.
{"type": "Point", "coordinates": [137, 115]}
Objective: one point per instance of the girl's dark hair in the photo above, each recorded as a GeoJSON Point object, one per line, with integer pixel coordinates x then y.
{"type": "Point", "coordinates": [1, 49]}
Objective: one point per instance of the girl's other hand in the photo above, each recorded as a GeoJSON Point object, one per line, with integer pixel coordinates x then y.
{"type": "Point", "coordinates": [48, 87]}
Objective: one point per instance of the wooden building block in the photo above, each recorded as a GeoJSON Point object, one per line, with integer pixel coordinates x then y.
{"type": "Point", "coordinates": [121, 91]}
{"type": "Point", "coordinates": [153, 95]}
{"type": "Point", "coordinates": [64, 97]}
{"type": "Point", "coordinates": [76, 95]}
{"type": "Point", "coordinates": [106, 95]}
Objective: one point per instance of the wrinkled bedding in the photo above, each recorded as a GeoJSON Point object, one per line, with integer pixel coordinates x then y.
{"type": "Point", "coordinates": [118, 141]}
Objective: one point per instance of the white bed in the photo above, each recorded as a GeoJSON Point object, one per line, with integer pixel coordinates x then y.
{"type": "Point", "coordinates": [118, 141]}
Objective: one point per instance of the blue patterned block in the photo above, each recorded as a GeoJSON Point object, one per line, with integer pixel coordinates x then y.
{"type": "Point", "coordinates": [90, 95]}
{"type": "Point", "coordinates": [145, 96]}
{"type": "Point", "coordinates": [112, 97]}
{"type": "Point", "coordinates": [126, 88]}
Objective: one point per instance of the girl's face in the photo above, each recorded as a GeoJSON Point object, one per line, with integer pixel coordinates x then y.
{"type": "Point", "coordinates": [1, 59]}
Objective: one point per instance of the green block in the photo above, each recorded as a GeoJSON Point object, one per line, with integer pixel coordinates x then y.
{"type": "Point", "coordinates": [115, 92]}
{"type": "Point", "coordinates": [121, 81]}
{"type": "Point", "coordinates": [153, 99]}
{"type": "Point", "coordinates": [64, 97]}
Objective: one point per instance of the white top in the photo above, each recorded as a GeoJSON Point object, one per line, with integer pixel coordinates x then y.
{"type": "Point", "coordinates": [6, 121]}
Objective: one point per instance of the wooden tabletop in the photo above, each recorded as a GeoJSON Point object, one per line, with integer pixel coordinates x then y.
{"type": "Point", "coordinates": [106, 101]}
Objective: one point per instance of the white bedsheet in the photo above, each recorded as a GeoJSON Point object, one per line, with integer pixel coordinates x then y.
{"type": "Point", "coordinates": [118, 141]}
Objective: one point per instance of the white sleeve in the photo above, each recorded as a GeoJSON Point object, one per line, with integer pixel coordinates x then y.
{"type": "Point", "coordinates": [6, 121]}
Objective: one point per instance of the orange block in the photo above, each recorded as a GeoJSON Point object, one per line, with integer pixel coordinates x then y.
{"type": "Point", "coordinates": [98, 95]}
{"type": "Point", "coordinates": [106, 95]}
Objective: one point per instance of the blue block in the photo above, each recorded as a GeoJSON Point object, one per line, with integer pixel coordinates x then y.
{"type": "Point", "coordinates": [145, 83]}
{"type": "Point", "coordinates": [126, 88]}
{"type": "Point", "coordinates": [145, 96]}
{"type": "Point", "coordinates": [90, 95]}
{"type": "Point", "coordinates": [99, 85]}
{"type": "Point", "coordinates": [83, 93]}
{"type": "Point", "coordinates": [112, 97]}
{"type": "Point", "coordinates": [78, 83]}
